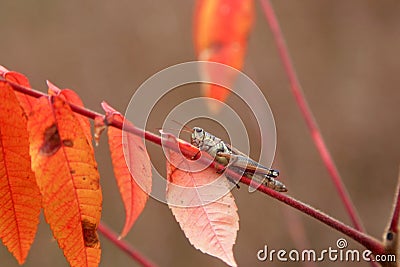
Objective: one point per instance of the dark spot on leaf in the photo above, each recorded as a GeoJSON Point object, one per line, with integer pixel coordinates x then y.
{"type": "Point", "coordinates": [72, 171]}
{"type": "Point", "coordinates": [91, 182]}
{"type": "Point", "coordinates": [216, 46]}
{"type": "Point", "coordinates": [68, 142]}
{"type": "Point", "coordinates": [51, 141]}
{"type": "Point", "coordinates": [90, 236]}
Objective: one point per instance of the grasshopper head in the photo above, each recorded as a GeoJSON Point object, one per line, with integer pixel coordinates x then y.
{"type": "Point", "coordinates": [273, 173]}
{"type": "Point", "coordinates": [197, 136]}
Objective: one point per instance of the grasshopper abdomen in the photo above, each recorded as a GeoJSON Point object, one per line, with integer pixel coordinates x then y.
{"type": "Point", "coordinates": [235, 160]}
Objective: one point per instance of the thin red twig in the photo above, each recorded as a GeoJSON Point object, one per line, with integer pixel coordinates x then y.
{"type": "Point", "coordinates": [394, 222]}
{"type": "Point", "coordinates": [124, 246]}
{"type": "Point", "coordinates": [390, 237]}
{"type": "Point", "coordinates": [307, 114]}
{"type": "Point", "coordinates": [369, 242]}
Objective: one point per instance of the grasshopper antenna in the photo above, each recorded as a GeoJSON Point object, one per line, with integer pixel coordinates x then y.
{"type": "Point", "coordinates": [184, 127]}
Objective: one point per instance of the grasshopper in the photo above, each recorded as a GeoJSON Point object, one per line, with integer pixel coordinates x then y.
{"type": "Point", "coordinates": [235, 160]}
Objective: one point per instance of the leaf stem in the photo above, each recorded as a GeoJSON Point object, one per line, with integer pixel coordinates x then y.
{"type": "Point", "coordinates": [188, 150]}
{"type": "Point", "coordinates": [307, 114]}
{"type": "Point", "coordinates": [124, 246]}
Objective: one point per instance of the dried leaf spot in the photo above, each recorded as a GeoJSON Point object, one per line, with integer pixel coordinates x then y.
{"type": "Point", "coordinates": [51, 141]}
{"type": "Point", "coordinates": [23, 114]}
{"type": "Point", "coordinates": [90, 236]}
{"type": "Point", "coordinates": [68, 143]}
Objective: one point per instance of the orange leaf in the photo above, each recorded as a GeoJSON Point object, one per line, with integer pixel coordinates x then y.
{"type": "Point", "coordinates": [210, 225]}
{"type": "Point", "coordinates": [133, 177]}
{"type": "Point", "coordinates": [68, 179]}
{"type": "Point", "coordinates": [72, 97]}
{"type": "Point", "coordinates": [19, 195]}
{"type": "Point", "coordinates": [27, 102]}
{"type": "Point", "coordinates": [221, 32]}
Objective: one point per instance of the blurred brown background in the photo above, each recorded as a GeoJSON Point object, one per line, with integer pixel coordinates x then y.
{"type": "Point", "coordinates": [347, 57]}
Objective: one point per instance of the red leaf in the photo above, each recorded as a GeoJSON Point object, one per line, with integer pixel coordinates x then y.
{"type": "Point", "coordinates": [210, 225]}
{"type": "Point", "coordinates": [27, 102]}
{"type": "Point", "coordinates": [133, 177]}
{"type": "Point", "coordinates": [67, 176]}
{"type": "Point", "coordinates": [20, 200]}
{"type": "Point", "coordinates": [220, 35]}
{"type": "Point", "coordinates": [72, 97]}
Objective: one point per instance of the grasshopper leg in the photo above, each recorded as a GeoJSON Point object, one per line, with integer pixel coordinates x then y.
{"type": "Point", "coordinates": [221, 170]}
{"type": "Point", "coordinates": [233, 182]}
{"type": "Point", "coordinates": [230, 179]}
{"type": "Point", "coordinates": [230, 165]}
{"type": "Point", "coordinates": [195, 155]}
{"type": "Point", "coordinates": [238, 171]}
{"type": "Point", "coordinates": [274, 184]}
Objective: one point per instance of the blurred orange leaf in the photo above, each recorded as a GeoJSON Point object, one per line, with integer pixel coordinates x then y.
{"type": "Point", "coordinates": [203, 206]}
{"type": "Point", "coordinates": [220, 35]}
{"type": "Point", "coordinates": [19, 195]}
{"type": "Point", "coordinates": [67, 176]}
{"type": "Point", "coordinates": [132, 169]}
{"type": "Point", "coordinates": [27, 102]}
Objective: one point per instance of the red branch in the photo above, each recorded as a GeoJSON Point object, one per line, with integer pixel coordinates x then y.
{"type": "Point", "coordinates": [307, 114]}
{"type": "Point", "coordinates": [187, 149]}
{"type": "Point", "coordinates": [124, 246]}
{"type": "Point", "coordinates": [367, 241]}
{"type": "Point", "coordinates": [394, 222]}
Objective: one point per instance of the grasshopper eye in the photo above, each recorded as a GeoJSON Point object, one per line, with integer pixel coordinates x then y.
{"type": "Point", "coordinates": [274, 173]}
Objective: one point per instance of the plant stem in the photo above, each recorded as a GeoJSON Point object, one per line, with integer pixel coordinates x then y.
{"type": "Point", "coordinates": [367, 241]}
{"type": "Point", "coordinates": [307, 114]}
{"type": "Point", "coordinates": [390, 237]}
{"type": "Point", "coordinates": [124, 246]}
{"type": "Point", "coordinates": [188, 150]}
{"type": "Point", "coordinates": [394, 222]}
